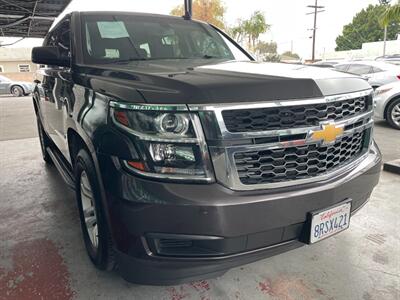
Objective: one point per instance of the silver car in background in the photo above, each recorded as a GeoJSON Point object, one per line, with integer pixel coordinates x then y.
{"type": "Point", "coordinates": [387, 104]}
{"type": "Point", "coordinates": [391, 59]}
{"type": "Point", "coordinates": [377, 73]}
{"type": "Point", "coordinates": [16, 88]}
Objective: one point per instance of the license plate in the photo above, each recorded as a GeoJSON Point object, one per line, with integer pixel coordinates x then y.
{"type": "Point", "coordinates": [330, 221]}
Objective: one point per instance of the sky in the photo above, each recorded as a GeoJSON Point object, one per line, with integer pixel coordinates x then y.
{"type": "Point", "coordinates": [289, 21]}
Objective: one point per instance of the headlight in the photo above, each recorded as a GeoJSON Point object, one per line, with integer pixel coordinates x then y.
{"type": "Point", "coordinates": [172, 124]}
{"type": "Point", "coordinates": [169, 141]}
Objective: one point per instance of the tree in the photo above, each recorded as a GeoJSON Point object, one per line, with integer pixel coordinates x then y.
{"type": "Point", "coordinates": [267, 51]}
{"type": "Point", "coordinates": [250, 29]}
{"type": "Point", "coordinates": [238, 32]}
{"type": "Point", "coordinates": [210, 11]}
{"type": "Point", "coordinates": [254, 27]}
{"type": "Point", "coordinates": [266, 48]}
{"type": "Point", "coordinates": [364, 28]}
{"type": "Point", "coordinates": [291, 55]}
{"type": "Point", "coordinates": [271, 57]}
{"type": "Point", "coordinates": [391, 14]}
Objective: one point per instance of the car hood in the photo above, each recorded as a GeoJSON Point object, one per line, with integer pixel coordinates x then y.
{"type": "Point", "coordinates": [194, 82]}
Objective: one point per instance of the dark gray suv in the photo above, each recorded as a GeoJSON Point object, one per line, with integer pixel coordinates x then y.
{"type": "Point", "coordinates": [188, 157]}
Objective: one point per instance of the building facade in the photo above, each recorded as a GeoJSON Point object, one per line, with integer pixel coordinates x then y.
{"type": "Point", "coordinates": [16, 64]}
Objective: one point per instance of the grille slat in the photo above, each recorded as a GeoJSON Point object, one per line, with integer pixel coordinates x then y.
{"type": "Point", "coordinates": [264, 119]}
{"type": "Point", "coordinates": [287, 164]}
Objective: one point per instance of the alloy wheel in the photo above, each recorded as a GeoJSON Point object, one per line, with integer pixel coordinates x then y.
{"type": "Point", "coordinates": [16, 91]}
{"type": "Point", "coordinates": [89, 210]}
{"type": "Point", "coordinates": [396, 114]}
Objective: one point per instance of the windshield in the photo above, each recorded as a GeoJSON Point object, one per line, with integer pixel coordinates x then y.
{"type": "Point", "coordinates": [122, 38]}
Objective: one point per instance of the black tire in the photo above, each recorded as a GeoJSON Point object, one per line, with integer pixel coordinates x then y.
{"type": "Point", "coordinates": [44, 141]}
{"type": "Point", "coordinates": [102, 255]}
{"type": "Point", "coordinates": [393, 114]}
{"type": "Point", "coordinates": [17, 91]}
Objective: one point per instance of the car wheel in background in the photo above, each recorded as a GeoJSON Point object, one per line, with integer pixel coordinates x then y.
{"type": "Point", "coordinates": [44, 141]}
{"type": "Point", "coordinates": [393, 114]}
{"type": "Point", "coordinates": [17, 91]}
{"type": "Point", "coordinates": [94, 227]}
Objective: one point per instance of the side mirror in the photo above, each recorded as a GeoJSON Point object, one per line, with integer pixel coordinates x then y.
{"type": "Point", "coordinates": [49, 55]}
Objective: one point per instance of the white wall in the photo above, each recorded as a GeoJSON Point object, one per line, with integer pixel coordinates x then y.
{"type": "Point", "coordinates": [368, 50]}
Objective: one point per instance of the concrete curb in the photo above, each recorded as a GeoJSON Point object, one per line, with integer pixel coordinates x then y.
{"type": "Point", "coordinates": [392, 166]}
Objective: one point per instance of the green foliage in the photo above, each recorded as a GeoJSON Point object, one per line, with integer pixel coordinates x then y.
{"type": "Point", "coordinates": [250, 29]}
{"type": "Point", "coordinates": [391, 14]}
{"type": "Point", "coordinates": [238, 32]}
{"type": "Point", "coordinates": [210, 11]}
{"type": "Point", "coordinates": [267, 51]}
{"type": "Point", "coordinates": [266, 48]}
{"type": "Point", "coordinates": [290, 54]}
{"type": "Point", "coordinates": [271, 58]}
{"type": "Point", "coordinates": [364, 28]}
{"type": "Point", "coordinates": [255, 26]}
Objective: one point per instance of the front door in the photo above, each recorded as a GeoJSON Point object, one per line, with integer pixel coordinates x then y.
{"type": "Point", "coordinates": [56, 81]}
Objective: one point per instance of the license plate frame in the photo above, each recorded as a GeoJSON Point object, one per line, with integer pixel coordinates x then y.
{"type": "Point", "coordinates": [327, 215]}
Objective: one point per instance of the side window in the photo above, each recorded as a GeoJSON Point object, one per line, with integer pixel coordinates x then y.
{"type": "Point", "coordinates": [376, 70]}
{"type": "Point", "coordinates": [49, 40]}
{"type": "Point", "coordinates": [64, 39]}
{"type": "Point", "coordinates": [61, 38]}
{"type": "Point", "coordinates": [359, 69]}
{"type": "Point", "coordinates": [342, 68]}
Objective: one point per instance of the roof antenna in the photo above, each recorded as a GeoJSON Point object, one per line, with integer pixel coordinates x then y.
{"type": "Point", "coordinates": [188, 10]}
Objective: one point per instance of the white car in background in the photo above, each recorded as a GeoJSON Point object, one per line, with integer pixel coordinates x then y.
{"type": "Point", "coordinates": [377, 73]}
{"type": "Point", "coordinates": [387, 104]}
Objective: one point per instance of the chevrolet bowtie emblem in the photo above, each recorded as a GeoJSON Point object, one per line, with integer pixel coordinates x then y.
{"type": "Point", "coordinates": [328, 134]}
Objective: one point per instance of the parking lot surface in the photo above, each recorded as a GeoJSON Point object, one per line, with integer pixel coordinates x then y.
{"type": "Point", "coordinates": [42, 254]}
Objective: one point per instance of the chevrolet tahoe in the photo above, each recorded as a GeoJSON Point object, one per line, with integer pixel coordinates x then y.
{"type": "Point", "coordinates": [186, 155]}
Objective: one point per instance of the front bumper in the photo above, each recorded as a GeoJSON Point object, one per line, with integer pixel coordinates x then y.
{"type": "Point", "coordinates": [235, 227]}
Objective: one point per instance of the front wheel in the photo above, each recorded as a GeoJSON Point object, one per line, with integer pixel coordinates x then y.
{"type": "Point", "coordinates": [17, 91]}
{"type": "Point", "coordinates": [393, 114]}
{"type": "Point", "coordinates": [94, 227]}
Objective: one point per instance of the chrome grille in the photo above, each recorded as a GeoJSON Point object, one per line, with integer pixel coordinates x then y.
{"type": "Point", "coordinates": [292, 163]}
{"type": "Point", "coordinates": [285, 152]}
{"type": "Point", "coordinates": [276, 118]}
